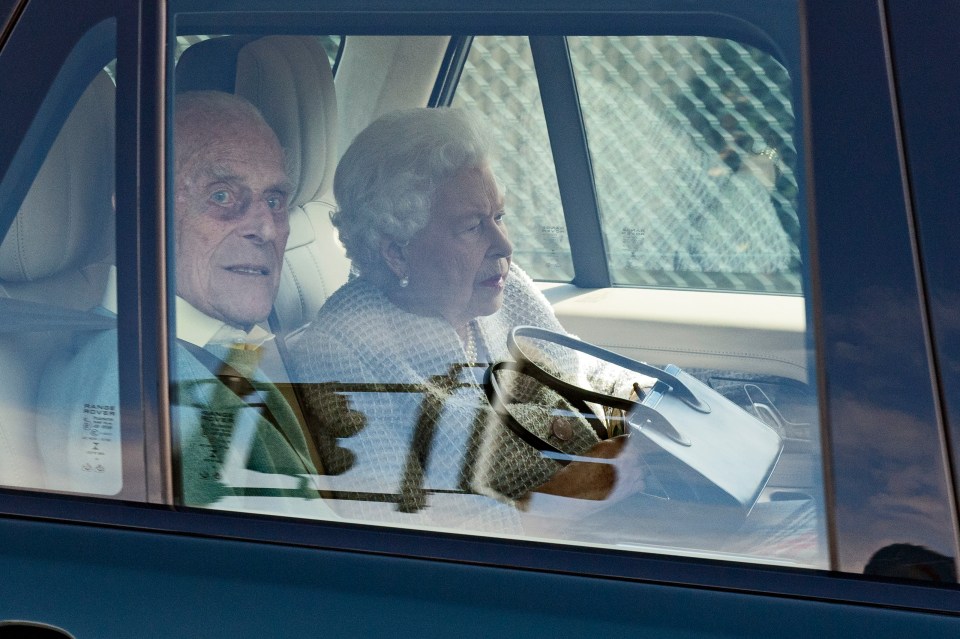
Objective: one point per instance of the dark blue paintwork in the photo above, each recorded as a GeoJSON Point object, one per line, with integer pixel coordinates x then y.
{"type": "Point", "coordinates": [926, 59]}
{"type": "Point", "coordinates": [881, 408]}
{"type": "Point", "coordinates": [115, 583]}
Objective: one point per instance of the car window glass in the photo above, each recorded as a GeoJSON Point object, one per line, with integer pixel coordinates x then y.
{"type": "Point", "coordinates": [396, 415]}
{"type": "Point", "coordinates": [692, 142]}
{"type": "Point", "coordinates": [331, 44]}
{"type": "Point", "coordinates": [700, 128]}
{"type": "Point", "coordinates": [237, 427]}
{"type": "Point", "coordinates": [499, 81]}
{"type": "Point", "coordinates": [57, 284]}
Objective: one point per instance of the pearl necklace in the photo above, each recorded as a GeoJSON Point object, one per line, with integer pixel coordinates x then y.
{"type": "Point", "coordinates": [470, 345]}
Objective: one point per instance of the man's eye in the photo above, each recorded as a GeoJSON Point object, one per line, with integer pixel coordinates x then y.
{"type": "Point", "coordinates": [276, 202]}
{"type": "Point", "coordinates": [498, 218]}
{"type": "Point", "coordinates": [221, 198]}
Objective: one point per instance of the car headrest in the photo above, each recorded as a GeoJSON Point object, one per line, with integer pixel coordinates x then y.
{"type": "Point", "coordinates": [289, 79]}
{"type": "Point", "coordinates": [66, 220]}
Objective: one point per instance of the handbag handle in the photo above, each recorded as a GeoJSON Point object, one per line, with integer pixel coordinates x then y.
{"type": "Point", "coordinates": [570, 391]}
{"type": "Point", "coordinates": [499, 397]}
{"type": "Point", "coordinates": [641, 416]}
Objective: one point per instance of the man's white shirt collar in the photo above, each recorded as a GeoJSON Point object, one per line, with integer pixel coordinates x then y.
{"type": "Point", "coordinates": [194, 326]}
{"type": "Point", "coordinates": [199, 328]}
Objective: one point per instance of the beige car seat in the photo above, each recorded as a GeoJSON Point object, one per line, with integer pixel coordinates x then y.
{"type": "Point", "coordinates": [289, 79]}
{"type": "Point", "coordinates": [56, 254]}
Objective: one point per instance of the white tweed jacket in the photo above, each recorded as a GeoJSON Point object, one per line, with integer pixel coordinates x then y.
{"type": "Point", "coordinates": [415, 450]}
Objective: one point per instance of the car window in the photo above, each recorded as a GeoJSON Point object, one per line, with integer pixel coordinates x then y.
{"type": "Point", "coordinates": [692, 142]}
{"type": "Point", "coordinates": [499, 80]}
{"type": "Point", "coordinates": [237, 428]}
{"type": "Point", "coordinates": [331, 44]}
{"type": "Point", "coordinates": [692, 147]}
{"type": "Point", "coordinates": [58, 289]}
{"type": "Point", "coordinates": [395, 417]}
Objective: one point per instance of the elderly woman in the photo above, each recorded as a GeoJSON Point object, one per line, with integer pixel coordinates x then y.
{"type": "Point", "coordinates": [394, 359]}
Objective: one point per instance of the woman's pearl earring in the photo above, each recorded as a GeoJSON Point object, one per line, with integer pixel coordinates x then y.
{"type": "Point", "coordinates": [404, 281]}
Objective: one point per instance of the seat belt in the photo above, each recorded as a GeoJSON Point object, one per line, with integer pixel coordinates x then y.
{"type": "Point", "coordinates": [22, 316]}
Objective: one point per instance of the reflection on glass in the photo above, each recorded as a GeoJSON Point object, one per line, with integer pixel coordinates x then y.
{"type": "Point", "coordinates": [414, 427]}
{"type": "Point", "coordinates": [236, 435]}
{"type": "Point", "coordinates": [909, 561]}
{"type": "Point", "coordinates": [61, 422]}
{"type": "Point", "coordinates": [692, 145]}
{"type": "Point", "coordinates": [394, 417]}
{"type": "Point", "coordinates": [239, 443]}
{"type": "Point", "coordinates": [499, 81]}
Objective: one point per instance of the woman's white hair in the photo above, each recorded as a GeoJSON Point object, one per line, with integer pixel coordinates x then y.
{"type": "Point", "coordinates": [387, 180]}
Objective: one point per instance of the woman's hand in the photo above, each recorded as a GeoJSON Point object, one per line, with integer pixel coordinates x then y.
{"type": "Point", "coordinates": [618, 473]}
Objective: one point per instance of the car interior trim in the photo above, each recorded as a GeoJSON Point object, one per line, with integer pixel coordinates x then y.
{"type": "Point", "coordinates": [568, 142]}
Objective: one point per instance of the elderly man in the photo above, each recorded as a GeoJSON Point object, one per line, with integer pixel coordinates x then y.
{"type": "Point", "coordinates": [232, 428]}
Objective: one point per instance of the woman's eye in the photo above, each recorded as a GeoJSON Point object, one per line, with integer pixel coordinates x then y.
{"type": "Point", "coordinates": [275, 202]}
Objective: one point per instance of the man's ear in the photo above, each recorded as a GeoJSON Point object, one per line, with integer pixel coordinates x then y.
{"type": "Point", "coordinates": [394, 254]}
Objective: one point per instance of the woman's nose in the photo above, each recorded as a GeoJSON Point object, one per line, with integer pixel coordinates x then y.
{"type": "Point", "coordinates": [500, 244]}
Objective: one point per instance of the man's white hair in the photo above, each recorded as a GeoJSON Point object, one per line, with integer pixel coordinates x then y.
{"type": "Point", "coordinates": [201, 115]}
